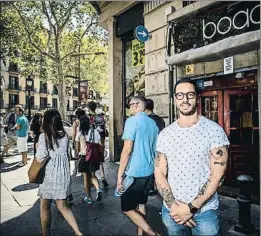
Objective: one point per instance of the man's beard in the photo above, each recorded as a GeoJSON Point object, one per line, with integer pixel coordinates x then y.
{"type": "Point", "coordinates": [190, 112]}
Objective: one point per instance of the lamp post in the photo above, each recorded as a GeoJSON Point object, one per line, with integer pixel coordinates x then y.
{"type": "Point", "coordinates": [29, 83]}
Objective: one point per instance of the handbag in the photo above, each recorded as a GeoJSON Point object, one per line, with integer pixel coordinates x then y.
{"type": "Point", "coordinates": [94, 151]}
{"type": "Point", "coordinates": [36, 171]}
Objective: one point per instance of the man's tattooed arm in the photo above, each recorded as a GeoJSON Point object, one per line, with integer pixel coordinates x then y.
{"type": "Point", "coordinates": [218, 159]}
{"type": "Point", "coordinates": [161, 170]}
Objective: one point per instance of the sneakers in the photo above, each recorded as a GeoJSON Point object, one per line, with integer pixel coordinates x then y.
{"type": "Point", "coordinates": [105, 183]}
{"type": "Point", "coordinates": [87, 200]}
{"type": "Point", "coordinates": [99, 196]}
{"type": "Point", "coordinates": [21, 164]}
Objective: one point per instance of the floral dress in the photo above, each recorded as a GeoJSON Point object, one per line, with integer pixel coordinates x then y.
{"type": "Point", "coordinates": [56, 184]}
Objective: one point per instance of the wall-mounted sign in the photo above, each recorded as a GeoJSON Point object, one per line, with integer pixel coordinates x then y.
{"type": "Point", "coordinates": [200, 84]}
{"type": "Point", "coordinates": [208, 83]}
{"type": "Point", "coordinates": [141, 33]}
{"type": "Point", "coordinates": [190, 69]}
{"type": "Point", "coordinates": [228, 65]}
{"type": "Point", "coordinates": [138, 53]}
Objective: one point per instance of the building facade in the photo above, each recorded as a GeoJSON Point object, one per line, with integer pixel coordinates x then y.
{"type": "Point", "coordinates": [212, 42]}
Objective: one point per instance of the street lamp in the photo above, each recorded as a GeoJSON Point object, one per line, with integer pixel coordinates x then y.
{"type": "Point", "coordinates": [29, 84]}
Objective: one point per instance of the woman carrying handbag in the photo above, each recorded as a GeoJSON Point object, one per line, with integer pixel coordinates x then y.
{"type": "Point", "coordinates": [53, 144]}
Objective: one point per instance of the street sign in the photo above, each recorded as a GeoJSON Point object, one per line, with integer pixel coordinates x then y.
{"type": "Point", "coordinates": [228, 65]}
{"type": "Point", "coordinates": [141, 33]}
{"type": "Point", "coordinates": [200, 84]}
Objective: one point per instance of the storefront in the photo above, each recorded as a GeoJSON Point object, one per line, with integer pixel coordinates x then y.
{"type": "Point", "coordinates": [218, 47]}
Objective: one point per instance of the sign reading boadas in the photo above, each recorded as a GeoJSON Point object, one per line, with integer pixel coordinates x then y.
{"type": "Point", "coordinates": [138, 53]}
{"type": "Point", "coordinates": [231, 22]}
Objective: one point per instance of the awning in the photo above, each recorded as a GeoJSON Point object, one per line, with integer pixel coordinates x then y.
{"type": "Point", "coordinates": [226, 47]}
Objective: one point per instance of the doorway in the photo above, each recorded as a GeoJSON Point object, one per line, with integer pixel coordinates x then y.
{"type": "Point", "coordinates": [237, 112]}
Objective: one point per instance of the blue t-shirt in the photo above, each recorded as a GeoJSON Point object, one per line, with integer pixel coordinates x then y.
{"type": "Point", "coordinates": [143, 131]}
{"type": "Point", "coordinates": [24, 126]}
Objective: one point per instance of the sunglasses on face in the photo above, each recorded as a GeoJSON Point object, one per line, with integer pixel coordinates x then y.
{"type": "Point", "coordinates": [133, 103]}
{"type": "Point", "coordinates": [189, 95]}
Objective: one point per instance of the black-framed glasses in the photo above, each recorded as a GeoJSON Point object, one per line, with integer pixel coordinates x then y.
{"type": "Point", "coordinates": [189, 95]}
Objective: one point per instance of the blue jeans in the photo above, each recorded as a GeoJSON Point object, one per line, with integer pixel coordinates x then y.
{"type": "Point", "coordinates": [208, 223]}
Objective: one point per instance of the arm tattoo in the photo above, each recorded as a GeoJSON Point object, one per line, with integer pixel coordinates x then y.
{"type": "Point", "coordinates": [222, 163]}
{"type": "Point", "coordinates": [157, 159]}
{"type": "Point", "coordinates": [166, 195]}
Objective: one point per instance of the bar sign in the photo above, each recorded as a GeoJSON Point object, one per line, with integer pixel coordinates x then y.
{"type": "Point", "coordinates": [228, 65]}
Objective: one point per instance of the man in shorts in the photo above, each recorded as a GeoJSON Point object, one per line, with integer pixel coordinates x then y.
{"type": "Point", "coordinates": [21, 127]}
{"type": "Point", "coordinates": [137, 160]}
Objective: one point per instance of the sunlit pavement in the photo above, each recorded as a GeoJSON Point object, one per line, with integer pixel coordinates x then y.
{"type": "Point", "coordinates": [20, 206]}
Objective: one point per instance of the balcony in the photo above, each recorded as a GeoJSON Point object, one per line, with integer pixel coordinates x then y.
{"type": "Point", "coordinates": [13, 67]}
{"type": "Point", "coordinates": [35, 107]}
{"type": "Point", "coordinates": [43, 106]}
{"type": "Point", "coordinates": [14, 87]}
{"type": "Point", "coordinates": [43, 90]}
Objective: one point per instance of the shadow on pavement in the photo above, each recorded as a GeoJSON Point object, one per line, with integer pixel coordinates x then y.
{"type": "Point", "coordinates": [24, 187]}
{"type": "Point", "coordinates": [6, 167]}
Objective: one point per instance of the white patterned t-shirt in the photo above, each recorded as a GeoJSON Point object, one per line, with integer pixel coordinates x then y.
{"type": "Point", "coordinates": [187, 151]}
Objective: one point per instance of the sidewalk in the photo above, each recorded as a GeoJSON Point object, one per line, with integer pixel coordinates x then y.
{"type": "Point", "coordinates": [20, 207]}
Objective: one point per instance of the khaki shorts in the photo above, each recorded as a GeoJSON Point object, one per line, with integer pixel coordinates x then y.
{"type": "Point", "coordinates": [22, 144]}
{"type": "Point", "coordinates": [12, 139]}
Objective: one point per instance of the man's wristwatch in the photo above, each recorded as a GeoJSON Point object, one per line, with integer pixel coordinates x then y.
{"type": "Point", "coordinates": [193, 210]}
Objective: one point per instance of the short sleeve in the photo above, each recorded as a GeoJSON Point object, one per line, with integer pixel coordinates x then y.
{"type": "Point", "coordinates": [218, 137]}
{"type": "Point", "coordinates": [41, 152]}
{"type": "Point", "coordinates": [130, 129]}
{"type": "Point", "coordinates": [19, 121]}
{"type": "Point", "coordinates": [77, 137]}
{"type": "Point", "coordinates": [161, 145]}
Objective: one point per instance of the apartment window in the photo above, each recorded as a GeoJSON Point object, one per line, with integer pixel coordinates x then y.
{"type": "Point", "coordinates": [75, 92]}
{"type": "Point", "coordinates": [27, 101]}
{"type": "Point", "coordinates": [13, 100]}
{"type": "Point", "coordinates": [186, 3]}
{"type": "Point", "coordinates": [13, 82]}
{"type": "Point", "coordinates": [43, 87]}
{"type": "Point", "coordinates": [90, 95]}
{"type": "Point", "coordinates": [13, 67]}
{"type": "Point", "coordinates": [43, 103]}
{"type": "Point", "coordinates": [68, 105]}
{"type": "Point", "coordinates": [55, 103]}
{"type": "Point", "coordinates": [55, 90]}
{"type": "Point", "coordinates": [75, 104]}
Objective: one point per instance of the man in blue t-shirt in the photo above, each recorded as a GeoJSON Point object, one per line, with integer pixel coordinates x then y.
{"type": "Point", "coordinates": [137, 160]}
{"type": "Point", "coordinates": [21, 127]}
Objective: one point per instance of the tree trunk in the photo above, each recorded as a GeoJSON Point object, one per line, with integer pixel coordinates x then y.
{"type": "Point", "coordinates": [61, 90]}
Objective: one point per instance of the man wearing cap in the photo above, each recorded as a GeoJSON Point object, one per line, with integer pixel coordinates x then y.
{"type": "Point", "coordinates": [21, 127]}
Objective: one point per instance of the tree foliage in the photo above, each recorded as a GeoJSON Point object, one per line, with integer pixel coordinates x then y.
{"type": "Point", "coordinates": [50, 37]}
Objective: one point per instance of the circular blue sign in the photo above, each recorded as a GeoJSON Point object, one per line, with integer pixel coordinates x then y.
{"type": "Point", "coordinates": [141, 33]}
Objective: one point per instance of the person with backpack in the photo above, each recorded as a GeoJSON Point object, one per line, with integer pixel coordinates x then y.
{"type": "Point", "coordinates": [86, 135]}
{"type": "Point", "coordinates": [10, 122]}
{"type": "Point", "coordinates": [97, 121]}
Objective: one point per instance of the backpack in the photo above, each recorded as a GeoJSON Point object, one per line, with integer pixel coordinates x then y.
{"type": "Point", "coordinates": [97, 122]}
{"type": "Point", "coordinates": [10, 121]}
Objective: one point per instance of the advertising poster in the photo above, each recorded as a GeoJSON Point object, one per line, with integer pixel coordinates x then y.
{"type": "Point", "coordinates": [83, 94]}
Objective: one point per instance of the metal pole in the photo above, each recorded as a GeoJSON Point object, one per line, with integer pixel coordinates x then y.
{"type": "Point", "coordinates": [79, 73]}
{"type": "Point", "coordinates": [29, 103]}
{"type": "Point", "coordinates": [1, 60]}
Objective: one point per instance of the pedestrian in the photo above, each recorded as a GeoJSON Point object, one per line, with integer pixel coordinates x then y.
{"type": "Point", "coordinates": [10, 122]}
{"type": "Point", "coordinates": [161, 125]}
{"type": "Point", "coordinates": [56, 185]}
{"type": "Point", "coordinates": [21, 127]}
{"type": "Point", "coordinates": [4, 140]}
{"type": "Point", "coordinates": [191, 161]}
{"type": "Point", "coordinates": [36, 128]}
{"type": "Point", "coordinates": [87, 168]}
{"type": "Point", "coordinates": [137, 162]}
{"type": "Point", "coordinates": [149, 110]}
{"type": "Point", "coordinates": [98, 122]}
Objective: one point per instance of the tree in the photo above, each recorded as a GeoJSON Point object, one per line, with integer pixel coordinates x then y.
{"type": "Point", "coordinates": [49, 35]}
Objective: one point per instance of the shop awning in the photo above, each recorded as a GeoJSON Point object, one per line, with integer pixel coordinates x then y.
{"type": "Point", "coordinates": [227, 47]}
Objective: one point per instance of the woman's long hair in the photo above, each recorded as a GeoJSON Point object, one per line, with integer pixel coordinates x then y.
{"type": "Point", "coordinates": [84, 125]}
{"type": "Point", "coordinates": [53, 127]}
{"type": "Point", "coordinates": [37, 120]}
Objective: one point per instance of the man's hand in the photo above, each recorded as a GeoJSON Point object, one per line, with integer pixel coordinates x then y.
{"type": "Point", "coordinates": [119, 184]}
{"type": "Point", "coordinates": [181, 214]}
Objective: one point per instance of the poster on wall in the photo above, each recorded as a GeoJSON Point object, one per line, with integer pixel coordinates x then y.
{"type": "Point", "coordinates": [83, 94]}
{"type": "Point", "coordinates": [135, 71]}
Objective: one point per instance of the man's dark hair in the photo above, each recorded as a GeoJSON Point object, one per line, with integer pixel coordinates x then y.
{"type": "Point", "coordinates": [149, 104]}
{"type": "Point", "coordinates": [79, 113]}
{"type": "Point", "coordinates": [92, 106]}
{"type": "Point", "coordinates": [186, 80]}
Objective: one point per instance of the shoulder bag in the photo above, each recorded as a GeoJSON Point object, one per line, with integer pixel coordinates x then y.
{"type": "Point", "coordinates": [36, 172]}
{"type": "Point", "coordinates": [94, 151]}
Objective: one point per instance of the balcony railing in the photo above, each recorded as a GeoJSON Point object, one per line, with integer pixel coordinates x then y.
{"type": "Point", "coordinates": [14, 68]}
{"type": "Point", "coordinates": [35, 107]}
{"type": "Point", "coordinates": [43, 107]}
{"type": "Point", "coordinates": [14, 87]}
{"type": "Point", "coordinates": [42, 90]}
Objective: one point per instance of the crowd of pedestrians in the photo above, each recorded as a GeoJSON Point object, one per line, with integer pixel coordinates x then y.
{"type": "Point", "coordinates": [184, 162]}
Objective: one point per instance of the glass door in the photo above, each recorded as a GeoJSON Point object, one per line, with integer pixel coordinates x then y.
{"type": "Point", "coordinates": [210, 105]}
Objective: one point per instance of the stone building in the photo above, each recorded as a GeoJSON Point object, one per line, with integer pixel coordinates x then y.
{"type": "Point", "coordinates": [212, 42]}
